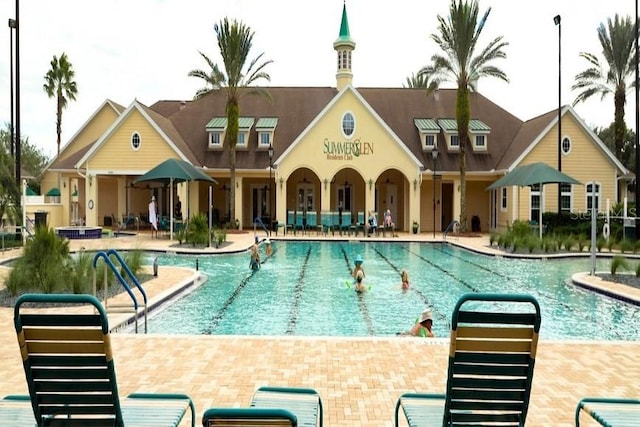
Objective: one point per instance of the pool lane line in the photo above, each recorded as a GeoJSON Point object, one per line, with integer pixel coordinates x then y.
{"type": "Point", "coordinates": [268, 256]}
{"type": "Point", "coordinates": [426, 300]}
{"type": "Point", "coordinates": [445, 271]}
{"type": "Point", "coordinates": [215, 319]}
{"type": "Point", "coordinates": [297, 293]}
{"type": "Point", "coordinates": [361, 303]}
{"type": "Point", "coordinates": [503, 276]}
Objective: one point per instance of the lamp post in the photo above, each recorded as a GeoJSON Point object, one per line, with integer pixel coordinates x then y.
{"type": "Point", "coordinates": [556, 20]}
{"type": "Point", "coordinates": [17, 134]}
{"type": "Point", "coordinates": [12, 26]}
{"type": "Point", "coordinates": [271, 186]}
{"type": "Point", "coordinates": [434, 155]}
{"type": "Point", "coordinates": [637, 142]}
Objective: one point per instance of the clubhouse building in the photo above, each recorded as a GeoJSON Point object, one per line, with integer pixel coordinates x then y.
{"type": "Point", "coordinates": [333, 148]}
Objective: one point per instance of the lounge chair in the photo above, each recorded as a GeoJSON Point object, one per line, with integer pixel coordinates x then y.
{"type": "Point", "coordinates": [248, 417]}
{"type": "Point", "coordinates": [15, 411]}
{"type": "Point", "coordinates": [70, 372]}
{"type": "Point", "coordinates": [305, 403]}
{"type": "Point", "coordinates": [491, 359]}
{"type": "Point", "coordinates": [610, 411]}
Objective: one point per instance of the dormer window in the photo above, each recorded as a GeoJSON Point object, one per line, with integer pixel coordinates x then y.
{"type": "Point", "coordinates": [429, 131]}
{"type": "Point", "coordinates": [215, 139]}
{"type": "Point", "coordinates": [217, 128]}
{"type": "Point", "coordinates": [265, 127]}
{"type": "Point", "coordinates": [479, 132]}
{"type": "Point", "coordinates": [454, 141]}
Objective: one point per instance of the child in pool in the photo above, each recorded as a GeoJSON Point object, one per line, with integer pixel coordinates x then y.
{"type": "Point", "coordinates": [268, 250]}
{"type": "Point", "coordinates": [360, 287]}
{"type": "Point", "coordinates": [405, 280]}
{"type": "Point", "coordinates": [254, 264]}
{"type": "Point", "coordinates": [358, 261]}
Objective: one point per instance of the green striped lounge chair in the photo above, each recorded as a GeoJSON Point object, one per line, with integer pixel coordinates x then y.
{"type": "Point", "coordinates": [610, 412]}
{"type": "Point", "coordinates": [491, 359]}
{"type": "Point", "coordinates": [305, 403]}
{"type": "Point", "coordinates": [248, 417]}
{"type": "Point", "coordinates": [68, 362]}
{"type": "Point", "coordinates": [15, 411]}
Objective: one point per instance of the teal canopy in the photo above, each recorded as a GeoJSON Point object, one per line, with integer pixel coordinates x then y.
{"type": "Point", "coordinates": [30, 192]}
{"type": "Point", "coordinates": [174, 170]}
{"type": "Point", "coordinates": [54, 192]}
{"type": "Point", "coordinates": [535, 173]}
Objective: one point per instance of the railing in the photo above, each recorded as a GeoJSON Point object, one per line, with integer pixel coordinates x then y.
{"type": "Point", "coordinates": [450, 227]}
{"type": "Point", "coordinates": [120, 308]}
{"type": "Point", "coordinates": [258, 221]}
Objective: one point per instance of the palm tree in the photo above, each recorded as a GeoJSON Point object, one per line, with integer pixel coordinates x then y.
{"type": "Point", "coordinates": [618, 47]}
{"type": "Point", "coordinates": [416, 81]}
{"type": "Point", "coordinates": [59, 84]}
{"type": "Point", "coordinates": [235, 41]}
{"type": "Point", "coordinates": [458, 37]}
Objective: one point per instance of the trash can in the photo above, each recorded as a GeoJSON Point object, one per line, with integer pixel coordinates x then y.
{"type": "Point", "coordinates": [41, 218]}
{"type": "Point", "coordinates": [475, 224]}
{"type": "Point", "coordinates": [107, 221]}
{"type": "Point", "coordinates": [629, 228]}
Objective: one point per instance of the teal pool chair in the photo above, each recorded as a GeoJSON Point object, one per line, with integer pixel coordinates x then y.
{"type": "Point", "coordinates": [346, 223]}
{"type": "Point", "coordinates": [312, 222]}
{"type": "Point", "coordinates": [70, 372]}
{"type": "Point", "coordinates": [248, 417]}
{"type": "Point", "coordinates": [299, 224]}
{"type": "Point", "coordinates": [610, 412]}
{"type": "Point", "coordinates": [305, 403]}
{"type": "Point", "coordinates": [492, 353]}
{"type": "Point", "coordinates": [327, 223]}
{"type": "Point", "coordinates": [291, 221]}
{"type": "Point", "coordinates": [15, 411]}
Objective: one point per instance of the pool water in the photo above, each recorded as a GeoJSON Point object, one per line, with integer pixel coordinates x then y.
{"type": "Point", "coordinates": [305, 289]}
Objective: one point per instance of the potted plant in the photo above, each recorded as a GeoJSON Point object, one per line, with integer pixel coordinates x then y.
{"type": "Point", "coordinates": [415, 227]}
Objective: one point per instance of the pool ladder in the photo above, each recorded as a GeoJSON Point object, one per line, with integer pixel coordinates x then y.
{"type": "Point", "coordinates": [450, 227]}
{"type": "Point", "coordinates": [135, 308]}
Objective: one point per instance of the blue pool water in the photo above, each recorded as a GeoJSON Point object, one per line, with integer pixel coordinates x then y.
{"type": "Point", "coordinates": [303, 290]}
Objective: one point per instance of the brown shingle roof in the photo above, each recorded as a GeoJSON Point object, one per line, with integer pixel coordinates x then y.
{"type": "Point", "coordinates": [296, 107]}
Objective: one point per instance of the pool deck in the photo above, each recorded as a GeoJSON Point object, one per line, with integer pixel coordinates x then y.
{"type": "Point", "coordinates": [359, 379]}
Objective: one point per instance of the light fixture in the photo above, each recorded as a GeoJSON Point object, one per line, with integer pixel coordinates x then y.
{"type": "Point", "coordinates": [370, 183]}
{"type": "Point", "coordinates": [326, 183]}
{"type": "Point", "coordinates": [434, 156]}
{"type": "Point", "coordinates": [281, 182]}
{"type": "Point", "coordinates": [415, 184]}
{"type": "Point", "coordinates": [90, 180]}
{"type": "Point", "coordinates": [556, 20]}
{"type": "Point", "coordinates": [64, 184]}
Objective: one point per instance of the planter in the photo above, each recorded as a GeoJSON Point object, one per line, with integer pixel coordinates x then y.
{"type": "Point", "coordinates": [415, 228]}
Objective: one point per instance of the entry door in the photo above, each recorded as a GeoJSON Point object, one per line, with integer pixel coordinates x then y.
{"type": "Point", "coordinates": [306, 198]}
{"type": "Point", "coordinates": [446, 196]}
{"type": "Point", "coordinates": [344, 198]}
{"type": "Point", "coordinates": [259, 203]}
{"type": "Point", "coordinates": [392, 199]}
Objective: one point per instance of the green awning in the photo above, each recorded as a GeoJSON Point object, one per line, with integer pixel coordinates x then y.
{"type": "Point", "coordinates": [54, 192]}
{"type": "Point", "coordinates": [30, 192]}
{"type": "Point", "coordinates": [535, 173]}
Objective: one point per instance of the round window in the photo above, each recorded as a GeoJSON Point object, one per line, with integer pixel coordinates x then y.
{"type": "Point", "coordinates": [135, 141]}
{"type": "Point", "coordinates": [348, 125]}
{"type": "Point", "coordinates": [566, 145]}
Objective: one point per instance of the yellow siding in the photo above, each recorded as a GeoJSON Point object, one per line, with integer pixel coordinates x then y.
{"type": "Point", "coordinates": [381, 152]}
{"type": "Point", "coordinates": [116, 153]}
{"type": "Point", "coordinates": [585, 162]}
{"type": "Point", "coordinates": [92, 131]}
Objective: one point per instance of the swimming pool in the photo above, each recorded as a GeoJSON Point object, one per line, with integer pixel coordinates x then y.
{"type": "Point", "coordinates": [303, 289]}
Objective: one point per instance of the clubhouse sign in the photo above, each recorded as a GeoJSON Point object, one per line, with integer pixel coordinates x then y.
{"type": "Point", "coordinates": [346, 150]}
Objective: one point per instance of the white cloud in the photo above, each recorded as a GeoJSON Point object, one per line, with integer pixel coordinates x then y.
{"type": "Point", "coordinates": [122, 49]}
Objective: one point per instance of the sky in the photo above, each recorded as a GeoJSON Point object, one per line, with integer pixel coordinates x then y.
{"type": "Point", "coordinates": [143, 49]}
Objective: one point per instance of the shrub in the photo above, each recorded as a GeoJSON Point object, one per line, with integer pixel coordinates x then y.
{"type": "Point", "coordinates": [600, 243]}
{"type": "Point", "coordinates": [617, 262]}
{"type": "Point", "coordinates": [198, 230]}
{"type": "Point", "coordinates": [43, 266]}
{"type": "Point", "coordinates": [626, 246]}
{"type": "Point", "coordinates": [80, 277]}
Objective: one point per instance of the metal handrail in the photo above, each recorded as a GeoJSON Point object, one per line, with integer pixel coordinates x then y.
{"type": "Point", "coordinates": [449, 228]}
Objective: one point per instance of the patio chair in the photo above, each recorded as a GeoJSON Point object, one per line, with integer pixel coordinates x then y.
{"type": "Point", "coordinates": [312, 222]}
{"type": "Point", "coordinates": [491, 359]}
{"type": "Point", "coordinates": [346, 222]}
{"type": "Point", "coordinates": [360, 224]}
{"type": "Point", "coordinates": [610, 411]}
{"type": "Point", "coordinates": [305, 403]}
{"type": "Point", "coordinates": [299, 224]}
{"type": "Point", "coordinates": [15, 411]}
{"type": "Point", "coordinates": [291, 220]}
{"type": "Point", "coordinates": [327, 222]}
{"type": "Point", "coordinates": [68, 363]}
{"type": "Point", "coordinates": [248, 417]}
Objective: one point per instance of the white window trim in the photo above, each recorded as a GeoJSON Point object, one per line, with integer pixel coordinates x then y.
{"type": "Point", "coordinates": [139, 140]}
{"type": "Point", "coordinates": [245, 144]}
{"type": "Point", "coordinates": [219, 145]}
{"type": "Point", "coordinates": [355, 125]}
{"type": "Point", "coordinates": [424, 141]}
{"type": "Point", "coordinates": [504, 199]}
{"type": "Point", "coordinates": [260, 133]}
{"type": "Point", "coordinates": [477, 147]}
{"type": "Point", "coordinates": [533, 193]}
{"type": "Point", "coordinates": [570, 195]}
{"type": "Point", "coordinates": [587, 195]}
{"type": "Point", "coordinates": [562, 146]}
{"type": "Point", "coordinates": [449, 137]}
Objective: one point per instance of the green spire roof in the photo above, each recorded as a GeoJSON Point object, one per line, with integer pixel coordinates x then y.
{"type": "Point", "coordinates": [344, 37]}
